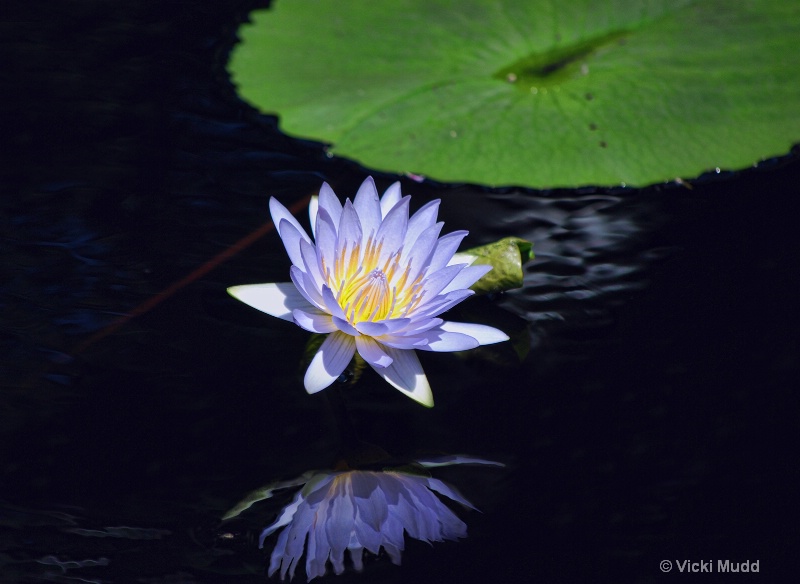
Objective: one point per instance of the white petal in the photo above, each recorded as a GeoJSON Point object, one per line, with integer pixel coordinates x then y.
{"type": "Point", "coordinates": [318, 551]}
{"type": "Point", "coordinates": [372, 329]}
{"type": "Point", "coordinates": [415, 326]}
{"type": "Point", "coordinates": [330, 202]}
{"type": "Point", "coordinates": [291, 238]}
{"type": "Point", "coordinates": [462, 258]}
{"type": "Point", "coordinates": [402, 342]}
{"type": "Point", "coordinates": [392, 231]}
{"type": "Point", "coordinates": [485, 335]}
{"type": "Point", "coordinates": [345, 327]}
{"type": "Point", "coordinates": [326, 239]}
{"type": "Point", "coordinates": [402, 515]}
{"type": "Point", "coordinates": [445, 248]}
{"type": "Point", "coordinates": [296, 537]}
{"type": "Point", "coordinates": [406, 374]}
{"type": "Point", "coordinates": [331, 359]}
{"type": "Point", "coordinates": [318, 547]}
{"type": "Point", "coordinates": [372, 352]}
{"type": "Point", "coordinates": [311, 265]}
{"type": "Point", "coordinates": [430, 512]}
{"type": "Point", "coordinates": [448, 491]}
{"type": "Point", "coordinates": [420, 251]}
{"type": "Point", "coordinates": [314, 321]}
{"type": "Point", "coordinates": [350, 233]}
{"type": "Point", "coordinates": [306, 286]}
{"type": "Point", "coordinates": [368, 207]}
{"type": "Point", "coordinates": [357, 554]}
{"type": "Point", "coordinates": [279, 212]}
{"type": "Point", "coordinates": [421, 220]}
{"type": "Point", "coordinates": [278, 299]}
{"type": "Point", "coordinates": [276, 560]}
{"type": "Point", "coordinates": [313, 207]}
{"type": "Point", "coordinates": [467, 277]}
{"type": "Point", "coordinates": [435, 282]}
{"type": "Point", "coordinates": [390, 198]}
{"type": "Point", "coordinates": [443, 303]}
{"type": "Point", "coordinates": [394, 324]}
{"type": "Point", "coordinates": [372, 507]}
{"type": "Point", "coordinates": [338, 527]}
{"type": "Point", "coordinates": [331, 305]}
{"type": "Point", "coordinates": [444, 342]}
{"type": "Point", "coordinates": [285, 518]}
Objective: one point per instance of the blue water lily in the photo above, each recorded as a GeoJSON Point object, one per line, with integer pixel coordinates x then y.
{"type": "Point", "coordinates": [377, 281]}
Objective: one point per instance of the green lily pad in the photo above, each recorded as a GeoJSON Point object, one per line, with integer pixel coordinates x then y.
{"type": "Point", "coordinates": [535, 93]}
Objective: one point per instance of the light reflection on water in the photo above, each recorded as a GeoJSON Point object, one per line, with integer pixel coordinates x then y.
{"type": "Point", "coordinates": [591, 249]}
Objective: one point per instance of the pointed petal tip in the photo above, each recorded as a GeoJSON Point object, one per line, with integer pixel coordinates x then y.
{"type": "Point", "coordinates": [422, 397]}
{"type": "Point", "coordinates": [485, 335]}
{"type": "Point", "coordinates": [277, 299]}
{"type": "Point", "coordinates": [428, 403]}
{"type": "Point", "coordinates": [275, 204]}
{"type": "Point", "coordinates": [239, 292]}
{"type": "Point", "coordinates": [390, 198]}
{"type": "Point", "coordinates": [495, 336]}
{"type": "Point", "coordinates": [313, 209]}
{"type": "Point", "coordinates": [315, 383]}
{"type": "Point", "coordinates": [405, 374]}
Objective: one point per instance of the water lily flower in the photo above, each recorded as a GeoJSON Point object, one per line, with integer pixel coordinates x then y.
{"type": "Point", "coordinates": [377, 281]}
{"type": "Point", "coordinates": [359, 510]}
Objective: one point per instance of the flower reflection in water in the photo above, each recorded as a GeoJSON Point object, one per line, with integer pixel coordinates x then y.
{"type": "Point", "coordinates": [359, 510]}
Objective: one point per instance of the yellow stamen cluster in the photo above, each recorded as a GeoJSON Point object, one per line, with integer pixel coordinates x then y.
{"type": "Point", "coordinates": [367, 291]}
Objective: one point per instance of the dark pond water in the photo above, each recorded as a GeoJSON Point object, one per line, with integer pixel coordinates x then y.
{"type": "Point", "coordinates": [653, 417]}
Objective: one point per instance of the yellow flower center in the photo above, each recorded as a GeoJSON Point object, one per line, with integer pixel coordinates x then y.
{"type": "Point", "coordinates": [367, 291]}
{"type": "Point", "coordinates": [366, 297]}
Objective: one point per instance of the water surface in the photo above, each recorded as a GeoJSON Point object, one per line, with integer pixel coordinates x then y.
{"type": "Point", "coordinates": [649, 420]}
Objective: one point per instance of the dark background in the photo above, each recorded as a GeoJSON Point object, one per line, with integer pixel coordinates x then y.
{"type": "Point", "coordinates": [653, 418]}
